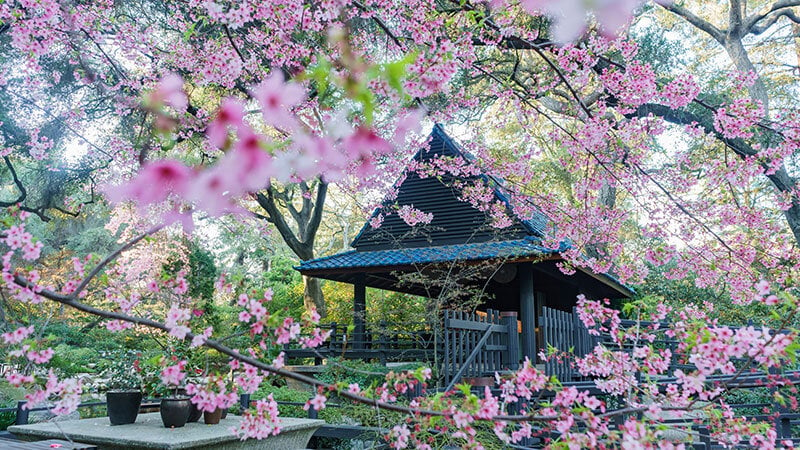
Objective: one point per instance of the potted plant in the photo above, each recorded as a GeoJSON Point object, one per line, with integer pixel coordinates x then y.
{"type": "Point", "coordinates": [175, 411]}
{"type": "Point", "coordinates": [175, 405]}
{"type": "Point", "coordinates": [124, 394]}
{"type": "Point", "coordinates": [214, 398]}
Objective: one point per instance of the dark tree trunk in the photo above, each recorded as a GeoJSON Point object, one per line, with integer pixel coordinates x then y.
{"type": "Point", "coordinates": [299, 238]}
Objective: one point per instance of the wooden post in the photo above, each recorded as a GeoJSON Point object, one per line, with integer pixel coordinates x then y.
{"type": "Point", "coordinates": [312, 413]}
{"type": "Point", "coordinates": [244, 401]}
{"type": "Point", "coordinates": [783, 425]}
{"type": "Point", "coordinates": [527, 309]}
{"type": "Point", "coordinates": [359, 312]}
{"type": "Point", "coordinates": [704, 437]}
{"type": "Point", "coordinates": [511, 356]}
{"type": "Point", "coordinates": [332, 339]}
{"type": "Point", "coordinates": [22, 413]}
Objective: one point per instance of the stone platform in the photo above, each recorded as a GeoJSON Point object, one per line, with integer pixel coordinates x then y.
{"type": "Point", "coordinates": [149, 433]}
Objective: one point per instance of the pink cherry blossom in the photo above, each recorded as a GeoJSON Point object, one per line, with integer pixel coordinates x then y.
{"type": "Point", "coordinates": [173, 375]}
{"type": "Point", "coordinates": [18, 335]}
{"type": "Point", "coordinates": [230, 114]}
{"type": "Point", "coordinates": [318, 403]}
{"type": "Point", "coordinates": [276, 98]}
{"type": "Point", "coordinates": [169, 91]}
{"type": "Point", "coordinates": [200, 339]}
{"type": "Point", "coordinates": [154, 183]}
{"type": "Point", "coordinates": [412, 216]}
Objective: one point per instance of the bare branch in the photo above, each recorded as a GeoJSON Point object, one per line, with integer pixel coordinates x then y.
{"type": "Point", "coordinates": [695, 20]}
{"type": "Point", "coordinates": [23, 193]}
{"type": "Point", "coordinates": [751, 22]}
{"type": "Point", "coordinates": [114, 255]}
{"type": "Point", "coordinates": [770, 20]}
{"type": "Point", "coordinates": [316, 215]}
{"type": "Point", "coordinates": [735, 16]}
{"type": "Point", "coordinates": [268, 203]}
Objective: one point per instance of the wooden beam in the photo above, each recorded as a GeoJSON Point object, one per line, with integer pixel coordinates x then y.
{"type": "Point", "coordinates": [616, 285]}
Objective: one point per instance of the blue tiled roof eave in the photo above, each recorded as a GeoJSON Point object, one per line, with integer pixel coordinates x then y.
{"type": "Point", "coordinates": [511, 249]}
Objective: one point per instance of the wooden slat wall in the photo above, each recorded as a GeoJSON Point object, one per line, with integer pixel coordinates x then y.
{"type": "Point", "coordinates": [463, 332]}
{"type": "Point", "coordinates": [559, 331]}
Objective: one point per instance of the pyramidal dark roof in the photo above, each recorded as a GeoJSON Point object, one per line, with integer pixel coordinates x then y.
{"type": "Point", "coordinates": [455, 221]}
{"type": "Point", "coordinates": [458, 232]}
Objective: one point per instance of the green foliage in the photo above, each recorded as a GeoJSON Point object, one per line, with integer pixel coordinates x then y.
{"type": "Point", "coordinates": [69, 360]}
{"type": "Point", "coordinates": [9, 396]}
{"type": "Point", "coordinates": [286, 284]}
{"type": "Point", "coordinates": [382, 306]}
{"type": "Point", "coordinates": [356, 371]}
{"type": "Point", "coordinates": [201, 277]}
{"type": "Point", "coordinates": [658, 288]}
{"type": "Point", "coordinates": [656, 48]}
{"type": "Point", "coordinates": [298, 398]}
{"type": "Point", "coordinates": [750, 396]}
{"type": "Point", "coordinates": [369, 416]}
{"type": "Point", "coordinates": [122, 370]}
{"type": "Point", "coordinates": [202, 273]}
{"type": "Point", "coordinates": [7, 419]}
{"type": "Point", "coordinates": [150, 365]}
{"type": "Point", "coordinates": [353, 371]}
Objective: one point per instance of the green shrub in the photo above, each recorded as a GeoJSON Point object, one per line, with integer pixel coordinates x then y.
{"type": "Point", "coordinates": [9, 395]}
{"type": "Point", "coordinates": [356, 371]}
{"type": "Point", "coordinates": [287, 394]}
{"type": "Point", "coordinates": [73, 360]}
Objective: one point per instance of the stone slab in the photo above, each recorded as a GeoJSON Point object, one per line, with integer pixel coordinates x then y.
{"type": "Point", "coordinates": [149, 433]}
{"type": "Point", "coordinates": [9, 444]}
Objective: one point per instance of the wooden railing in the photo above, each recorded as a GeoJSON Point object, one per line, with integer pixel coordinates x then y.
{"type": "Point", "coordinates": [382, 341]}
{"type": "Point", "coordinates": [478, 345]}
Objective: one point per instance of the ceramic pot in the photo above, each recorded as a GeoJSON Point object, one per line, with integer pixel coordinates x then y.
{"type": "Point", "coordinates": [123, 406]}
{"type": "Point", "coordinates": [175, 412]}
{"type": "Point", "coordinates": [212, 418]}
{"type": "Point", "coordinates": [194, 413]}
{"type": "Point", "coordinates": [224, 413]}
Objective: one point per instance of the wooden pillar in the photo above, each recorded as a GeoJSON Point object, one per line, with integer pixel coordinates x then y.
{"type": "Point", "coordinates": [527, 310]}
{"type": "Point", "coordinates": [511, 357]}
{"type": "Point", "coordinates": [359, 312]}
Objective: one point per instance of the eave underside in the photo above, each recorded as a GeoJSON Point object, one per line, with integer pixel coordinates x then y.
{"type": "Point", "coordinates": [402, 278]}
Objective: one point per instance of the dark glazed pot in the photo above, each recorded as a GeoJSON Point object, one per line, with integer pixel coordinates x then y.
{"type": "Point", "coordinates": [212, 418]}
{"type": "Point", "coordinates": [123, 406]}
{"type": "Point", "coordinates": [224, 413]}
{"type": "Point", "coordinates": [175, 412]}
{"type": "Point", "coordinates": [194, 413]}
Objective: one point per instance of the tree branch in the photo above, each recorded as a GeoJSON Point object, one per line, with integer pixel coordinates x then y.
{"type": "Point", "coordinates": [268, 203]}
{"type": "Point", "coordinates": [71, 301]}
{"type": "Point", "coordinates": [751, 21]}
{"type": "Point", "coordinates": [771, 19]}
{"type": "Point", "coordinates": [695, 20]}
{"type": "Point", "coordinates": [735, 17]}
{"type": "Point", "coordinates": [316, 215]}
{"type": "Point", "coordinates": [99, 267]}
{"type": "Point", "coordinates": [23, 193]}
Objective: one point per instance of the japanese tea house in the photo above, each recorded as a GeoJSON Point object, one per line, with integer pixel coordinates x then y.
{"type": "Point", "coordinates": [524, 279]}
